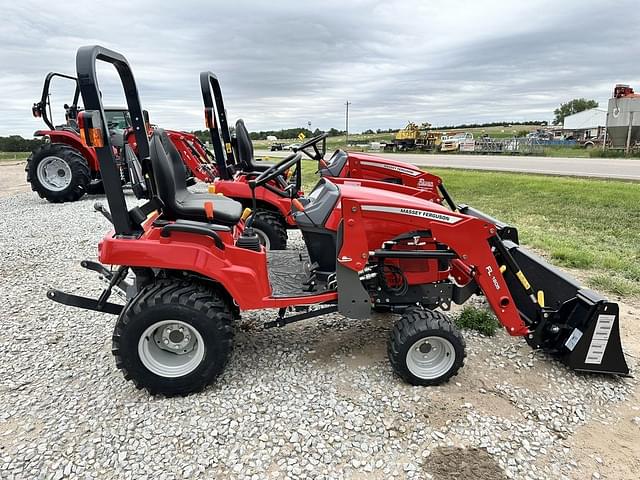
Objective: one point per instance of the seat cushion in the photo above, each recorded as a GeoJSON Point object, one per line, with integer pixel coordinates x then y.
{"type": "Point", "coordinates": [225, 210]}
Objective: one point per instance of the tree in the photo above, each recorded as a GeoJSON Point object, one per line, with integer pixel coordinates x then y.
{"type": "Point", "coordinates": [574, 106]}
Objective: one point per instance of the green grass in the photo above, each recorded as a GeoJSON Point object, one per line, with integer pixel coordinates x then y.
{"type": "Point", "coordinates": [480, 319]}
{"type": "Point", "coordinates": [579, 223]}
{"type": "Point", "coordinates": [586, 224]}
{"type": "Point", "coordinates": [13, 156]}
{"type": "Point", "coordinates": [572, 152]}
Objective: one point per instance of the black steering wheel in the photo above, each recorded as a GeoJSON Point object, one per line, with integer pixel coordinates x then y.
{"type": "Point", "coordinates": [278, 170]}
{"type": "Point", "coordinates": [317, 155]}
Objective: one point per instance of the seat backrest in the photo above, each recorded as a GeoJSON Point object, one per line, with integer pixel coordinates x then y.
{"type": "Point", "coordinates": [168, 170]}
{"type": "Point", "coordinates": [244, 147]}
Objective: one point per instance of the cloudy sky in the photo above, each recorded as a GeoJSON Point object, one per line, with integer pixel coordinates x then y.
{"type": "Point", "coordinates": [284, 63]}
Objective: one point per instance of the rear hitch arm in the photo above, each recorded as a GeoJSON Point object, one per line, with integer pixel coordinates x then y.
{"type": "Point", "coordinates": [101, 304]}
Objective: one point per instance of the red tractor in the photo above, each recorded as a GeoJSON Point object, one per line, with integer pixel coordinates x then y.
{"type": "Point", "coordinates": [63, 169]}
{"type": "Point", "coordinates": [237, 167]}
{"type": "Point", "coordinates": [189, 264]}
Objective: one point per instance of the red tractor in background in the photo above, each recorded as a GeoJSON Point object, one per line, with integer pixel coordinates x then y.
{"type": "Point", "coordinates": [237, 167]}
{"type": "Point", "coordinates": [63, 169]}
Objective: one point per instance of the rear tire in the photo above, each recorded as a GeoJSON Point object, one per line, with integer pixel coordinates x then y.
{"type": "Point", "coordinates": [271, 229]}
{"type": "Point", "coordinates": [58, 173]}
{"type": "Point", "coordinates": [173, 338]}
{"type": "Point", "coordinates": [425, 348]}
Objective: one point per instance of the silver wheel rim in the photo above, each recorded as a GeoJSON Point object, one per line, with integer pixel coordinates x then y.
{"type": "Point", "coordinates": [430, 357]}
{"type": "Point", "coordinates": [264, 239]}
{"type": "Point", "coordinates": [54, 173]}
{"type": "Point", "coordinates": [171, 348]}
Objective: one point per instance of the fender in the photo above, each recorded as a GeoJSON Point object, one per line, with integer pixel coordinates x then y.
{"type": "Point", "coordinates": [73, 140]}
{"type": "Point", "coordinates": [241, 272]}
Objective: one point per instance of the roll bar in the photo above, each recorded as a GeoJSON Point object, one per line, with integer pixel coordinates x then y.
{"type": "Point", "coordinates": [86, 59]}
{"type": "Point", "coordinates": [214, 110]}
{"type": "Point", "coordinates": [43, 107]}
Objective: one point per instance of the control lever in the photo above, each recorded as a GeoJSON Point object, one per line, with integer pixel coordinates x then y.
{"type": "Point", "coordinates": [99, 207]}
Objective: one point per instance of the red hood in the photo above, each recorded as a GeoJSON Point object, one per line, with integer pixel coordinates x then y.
{"type": "Point", "coordinates": [375, 158]}
{"type": "Point", "coordinates": [379, 196]}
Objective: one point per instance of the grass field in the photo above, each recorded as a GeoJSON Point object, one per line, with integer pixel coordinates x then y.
{"type": "Point", "coordinates": [587, 224]}
{"type": "Point", "coordinates": [13, 156]}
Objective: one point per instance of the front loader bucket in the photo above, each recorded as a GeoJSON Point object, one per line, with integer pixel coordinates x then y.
{"type": "Point", "coordinates": [579, 326]}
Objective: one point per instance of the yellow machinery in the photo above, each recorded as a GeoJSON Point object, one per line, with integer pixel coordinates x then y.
{"type": "Point", "coordinates": [414, 137]}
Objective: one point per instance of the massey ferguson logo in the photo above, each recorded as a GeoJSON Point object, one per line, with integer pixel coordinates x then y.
{"type": "Point", "coordinates": [395, 168]}
{"type": "Point", "coordinates": [441, 217]}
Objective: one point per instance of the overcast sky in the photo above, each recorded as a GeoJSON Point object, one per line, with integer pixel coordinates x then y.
{"type": "Point", "coordinates": [284, 63]}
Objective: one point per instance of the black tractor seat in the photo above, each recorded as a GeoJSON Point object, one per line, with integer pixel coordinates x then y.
{"type": "Point", "coordinates": [244, 151]}
{"type": "Point", "coordinates": [179, 202]}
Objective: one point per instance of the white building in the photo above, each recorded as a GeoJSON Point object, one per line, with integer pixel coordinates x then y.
{"type": "Point", "coordinates": [586, 124]}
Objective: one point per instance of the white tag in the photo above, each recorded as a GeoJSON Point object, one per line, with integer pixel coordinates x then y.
{"type": "Point", "coordinates": [573, 339]}
{"type": "Point", "coordinates": [600, 339]}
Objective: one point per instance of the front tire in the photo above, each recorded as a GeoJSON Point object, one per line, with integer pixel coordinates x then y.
{"type": "Point", "coordinates": [58, 173]}
{"type": "Point", "coordinates": [425, 348]}
{"type": "Point", "coordinates": [173, 338]}
{"type": "Point", "coordinates": [271, 230]}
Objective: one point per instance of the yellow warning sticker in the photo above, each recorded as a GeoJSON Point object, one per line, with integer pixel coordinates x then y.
{"type": "Point", "coordinates": [523, 280]}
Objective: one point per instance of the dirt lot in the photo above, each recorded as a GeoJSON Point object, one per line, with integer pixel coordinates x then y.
{"type": "Point", "coordinates": [12, 178]}
{"type": "Point", "coordinates": [313, 400]}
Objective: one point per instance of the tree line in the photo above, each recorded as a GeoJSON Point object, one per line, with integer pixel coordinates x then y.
{"type": "Point", "coordinates": [15, 143]}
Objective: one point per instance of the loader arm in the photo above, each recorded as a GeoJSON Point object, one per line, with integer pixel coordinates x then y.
{"type": "Point", "coordinates": [528, 296]}
{"type": "Point", "coordinates": [470, 239]}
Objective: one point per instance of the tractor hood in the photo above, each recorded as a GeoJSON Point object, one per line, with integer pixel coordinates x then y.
{"type": "Point", "coordinates": [389, 198]}
{"type": "Point", "coordinates": [364, 157]}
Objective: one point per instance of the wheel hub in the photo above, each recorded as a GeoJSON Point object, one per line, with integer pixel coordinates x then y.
{"type": "Point", "coordinates": [54, 173]}
{"type": "Point", "coordinates": [430, 357]}
{"type": "Point", "coordinates": [175, 338]}
{"type": "Point", "coordinates": [171, 348]}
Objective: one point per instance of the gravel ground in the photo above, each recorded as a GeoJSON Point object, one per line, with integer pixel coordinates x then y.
{"type": "Point", "coordinates": [312, 400]}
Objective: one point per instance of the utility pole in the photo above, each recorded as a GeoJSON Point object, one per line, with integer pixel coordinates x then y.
{"type": "Point", "coordinates": [346, 139]}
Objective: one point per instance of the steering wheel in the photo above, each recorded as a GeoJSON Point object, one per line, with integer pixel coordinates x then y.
{"type": "Point", "coordinates": [279, 169]}
{"type": "Point", "coordinates": [313, 142]}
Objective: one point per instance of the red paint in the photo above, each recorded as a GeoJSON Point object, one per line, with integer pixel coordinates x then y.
{"type": "Point", "coordinates": [243, 273]}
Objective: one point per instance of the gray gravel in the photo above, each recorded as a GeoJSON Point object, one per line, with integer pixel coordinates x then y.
{"type": "Point", "coordinates": [313, 400]}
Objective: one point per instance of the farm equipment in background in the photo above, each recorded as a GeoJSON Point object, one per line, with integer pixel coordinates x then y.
{"type": "Point", "coordinates": [188, 266]}
{"type": "Point", "coordinates": [455, 143]}
{"type": "Point", "coordinates": [237, 167]}
{"type": "Point", "coordinates": [63, 169]}
{"type": "Point", "coordinates": [414, 137]}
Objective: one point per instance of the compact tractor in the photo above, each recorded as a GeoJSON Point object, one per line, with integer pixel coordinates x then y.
{"type": "Point", "coordinates": [190, 263]}
{"type": "Point", "coordinates": [237, 168]}
{"type": "Point", "coordinates": [63, 169]}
